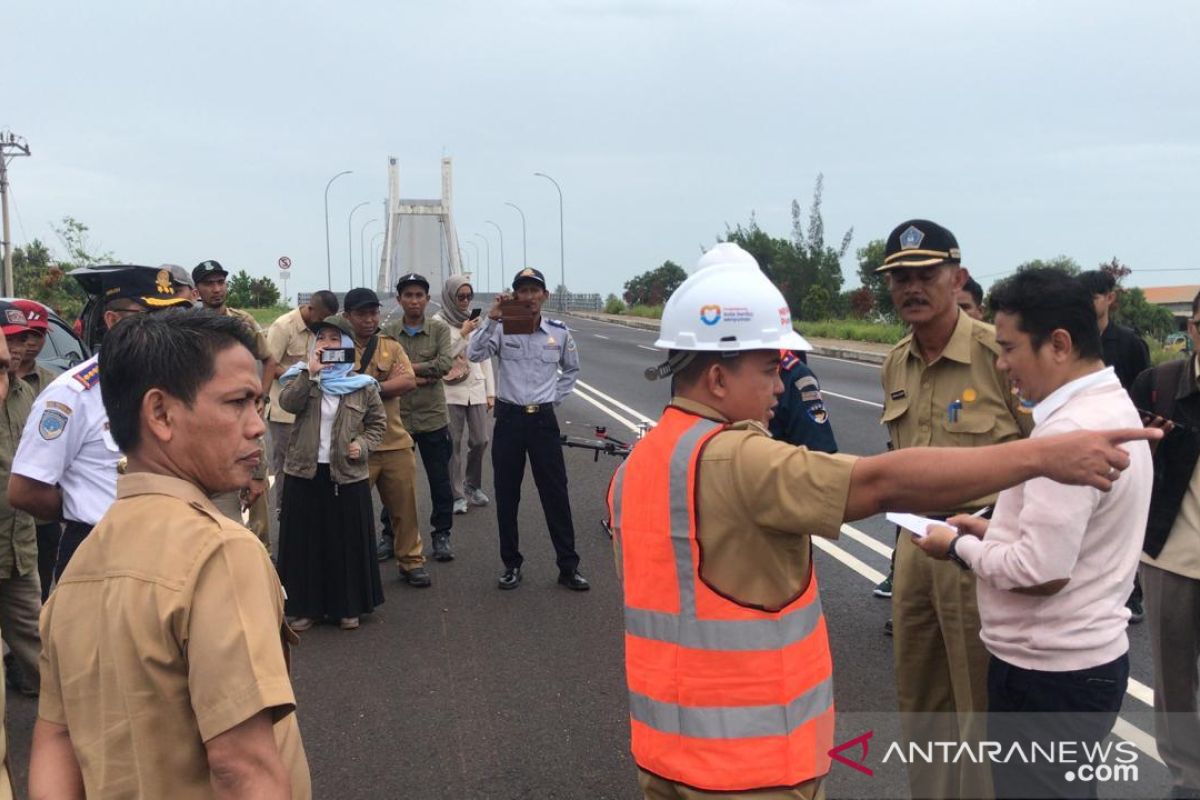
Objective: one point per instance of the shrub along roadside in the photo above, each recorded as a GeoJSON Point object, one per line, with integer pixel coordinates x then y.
{"type": "Point", "coordinates": [856, 330]}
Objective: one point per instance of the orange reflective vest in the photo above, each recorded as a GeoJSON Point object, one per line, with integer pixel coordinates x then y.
{"type": "Point", "coordinates": [722, 696]}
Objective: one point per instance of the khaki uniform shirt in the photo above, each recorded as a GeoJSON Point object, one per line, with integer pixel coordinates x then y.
{"type": "Point", "coordinates": [759, 500]}
{"type": "Point", "coordinates": [18, 537]}
{"type": "Point", "coordinates": [388, 353]}
{"type": "Point", "coordinates": [424, 408]}
{"type": "Point", "coordinates": [917, 396]}
{"type": "Point", "coordinates": [165, 630]}
{"type": "Point", "coordinates": [40, 378]}
{"type": "Point", "coordinates": [288, 342]}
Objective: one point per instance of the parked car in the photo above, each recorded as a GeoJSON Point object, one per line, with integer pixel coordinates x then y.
{"type": "Point", "coordinates": [1178, 342]}
{"type": "Point", "coordinates": [63, 349]}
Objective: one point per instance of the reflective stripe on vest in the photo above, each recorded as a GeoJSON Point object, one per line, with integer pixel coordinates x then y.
{"type": "Point", "coordinates": [722, 697]}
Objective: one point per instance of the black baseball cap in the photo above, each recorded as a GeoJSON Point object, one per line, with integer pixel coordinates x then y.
{"type": "Point", "coordinates": [360, 298]}
{"type": "Point", "coordinates": [411, 277]}
{"type": "Point", "coordinates": [919, 243]}
{"type": "Point", "coordinates": [150, 286]}
{"type": "Point", "coordinates": [527, 275]}
{"type": "Point", "coordinates": [207, 268]}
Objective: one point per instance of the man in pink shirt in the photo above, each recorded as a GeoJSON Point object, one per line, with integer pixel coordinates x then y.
{"type": "Point", "coordinates": [1055, 563]}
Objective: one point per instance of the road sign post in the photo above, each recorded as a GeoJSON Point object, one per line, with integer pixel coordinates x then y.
{"type": "Point", "coordinates": [285, 264]}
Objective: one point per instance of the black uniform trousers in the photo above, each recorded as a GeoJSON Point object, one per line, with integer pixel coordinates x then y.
{"type": "Point", "coordinates": [516, 434]}
{"type": "Point", "coordinates": [436, 448]}
{"type": "Point", "coordinates": [72, 536]}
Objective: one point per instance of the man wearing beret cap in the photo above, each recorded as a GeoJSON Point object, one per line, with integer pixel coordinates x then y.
{"type": "Point", "coordinates": [940, 388]}
{"type": "Point", "coordinates": [66, 464]}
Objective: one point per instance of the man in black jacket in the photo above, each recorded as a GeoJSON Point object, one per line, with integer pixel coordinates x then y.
{"type": "Point", "coordinates": [1170, 571]}
{"type": "Point", "coordinates": [1128, 355]}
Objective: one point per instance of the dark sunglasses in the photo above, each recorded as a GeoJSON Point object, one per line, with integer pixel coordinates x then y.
{"type": "Point", "coordinates": [464, 296]}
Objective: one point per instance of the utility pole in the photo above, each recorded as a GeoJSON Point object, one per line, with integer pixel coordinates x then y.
{"type": "Point", "coordinates": [11, 146]}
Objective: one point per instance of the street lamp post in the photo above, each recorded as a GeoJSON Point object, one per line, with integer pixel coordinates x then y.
{"type": "Point", "coordinates": [478, 259]}
{"type": "Point", "coordinates": [374, 256]}
{"type": "Point", "coordinates": [328, 269]}
{"type": "Point", "coordinates": [488, 250]}
{"type": "Point", "coordinates": [497, 227]}
{"type": "Point", "coordinates": [362, 251]}
{"type": "Point", "coordinates": [350, 241]}
{"type": "Point", "coordinates": [524, 242]}
{"type": "Point", "coordinates": [562, 262]}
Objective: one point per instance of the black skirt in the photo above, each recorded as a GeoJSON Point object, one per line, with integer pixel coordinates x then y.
{"type": "Point", "coordinates": [327, 548]}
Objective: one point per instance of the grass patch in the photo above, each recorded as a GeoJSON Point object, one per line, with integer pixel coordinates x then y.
{"type": "Point", "coordinates": [1161, 355]}
{"type": "Point", "coordinates": [265, 316]}
{"type": "Point", "coordinates": [856, 330]}
{"type": "Point", "coordinates": [649, 312]}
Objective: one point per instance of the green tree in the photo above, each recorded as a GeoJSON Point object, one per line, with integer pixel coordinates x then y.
{"type": "Point", "coordinates": [263, 293]}
{"type": "Point", "coordinates": [870, 258]}
{"type": "Point", "coordinates": [797, 264]}
{"type": "Point", "coordinates": [820, 264]}
{"type": "Point", "coordinates": [817, 304]}
{"type": "Point", "coordinates": [653, 287]}
{"type": "Point", "coordinates": [240, 290]}
{"type": "Point", "coordinates": [1065, 263]}
{"type": "Point", "coordinates": [37, 277]}
{"type": "Point", "coordinates": [613, 305]}
{"type": "Point", "coordinates": [1133, 309]}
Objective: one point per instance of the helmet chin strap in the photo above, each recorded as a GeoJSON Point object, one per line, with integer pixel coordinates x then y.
{"type": "Point", "coordinates": [673, 364]}
{"type": "Point", "coordinates": [679, 361]}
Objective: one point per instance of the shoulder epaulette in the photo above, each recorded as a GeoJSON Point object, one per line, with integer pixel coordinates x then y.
{"type": "Point", "coordinates": [88, 377]}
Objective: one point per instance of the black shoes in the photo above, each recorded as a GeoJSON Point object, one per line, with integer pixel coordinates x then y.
{"type": "Point", "coordinates": [384, 551]}
{"type": "Point", "coordinates": [511, 578]}
{"type": "Point", "coordinates": [417, 576]}
{"type": "Point", "coordinates": [574, 581]}
{"type": "Point", "coordinates": [441, 546]}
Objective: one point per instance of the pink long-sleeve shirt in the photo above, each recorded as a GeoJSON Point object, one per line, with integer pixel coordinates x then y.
{"type": "Point", "coordinates": [1043, 531]}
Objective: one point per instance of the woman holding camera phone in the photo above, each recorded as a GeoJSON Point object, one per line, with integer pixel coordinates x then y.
{"type": "Point", "coordinates": [470, 395]}
{"type": "Point", "coordinates": [326, 525]}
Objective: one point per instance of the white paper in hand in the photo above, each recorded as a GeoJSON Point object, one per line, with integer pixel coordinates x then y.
{"type": "Point", "coordinates": [916, 524]}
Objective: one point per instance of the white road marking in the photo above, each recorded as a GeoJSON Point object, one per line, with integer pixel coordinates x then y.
{"type": "Point", "coordinates": [651, 349]}
{"type": "Point", "coordinates": [853, 562]}
{"type": "Point", "coordinates": [615, 402]}
{"type": "Point", "coordinates": [623, 420]}
{"type": "Point", "coordinates": [852, 399]}
{"type": "Point", "coordinates": [1138, 737]}
{"type": "Point", "coordinates": [869, 542]}
{"type": "Point", "coordinates": [599, 336]}
{"type": "Point", "coordinates": [867, 364]}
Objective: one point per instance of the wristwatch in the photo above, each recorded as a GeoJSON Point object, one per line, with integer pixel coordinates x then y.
{"type": "Point", "coordinates": [953, 555]}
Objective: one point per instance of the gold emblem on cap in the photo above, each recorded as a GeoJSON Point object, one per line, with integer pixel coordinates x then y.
{"type": "Point", "coordinates": [526, 273]}
{"type": "Point", "coordinates": [162, 282]}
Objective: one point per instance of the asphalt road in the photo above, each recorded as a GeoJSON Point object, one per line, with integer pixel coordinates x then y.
{"type": "Point", "coordinates": [464, 691]}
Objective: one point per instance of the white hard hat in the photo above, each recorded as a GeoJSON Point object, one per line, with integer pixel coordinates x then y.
{"type": "Point", "coordinates": [727, 305]}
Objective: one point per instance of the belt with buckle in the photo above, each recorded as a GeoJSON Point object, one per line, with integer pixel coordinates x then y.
{"type": "Point", "coordinates": [532, 408]}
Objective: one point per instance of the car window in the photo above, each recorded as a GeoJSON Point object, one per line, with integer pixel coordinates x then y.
{"type": "Point", "coordinates": [61, 346]}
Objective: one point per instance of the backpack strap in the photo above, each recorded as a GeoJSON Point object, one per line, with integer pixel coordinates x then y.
{"type": "Point", "coordinates": [368, 353]}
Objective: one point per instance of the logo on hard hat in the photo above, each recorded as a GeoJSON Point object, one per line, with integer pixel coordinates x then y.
{"type": "Point", "coordinates": [911, 238]}
{"type": "Point", "coordinates": [710, 315]}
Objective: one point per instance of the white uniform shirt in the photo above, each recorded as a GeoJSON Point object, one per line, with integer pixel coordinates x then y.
{"type": "Point", "coordinates": [66, 442]}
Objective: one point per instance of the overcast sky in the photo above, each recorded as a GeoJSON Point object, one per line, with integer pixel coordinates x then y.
{"type": "Point", "coordinates": [1028, 128]}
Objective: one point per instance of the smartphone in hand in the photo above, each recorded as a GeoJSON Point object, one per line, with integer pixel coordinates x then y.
{"type": "Point", "coordinates": [337, 355]}
{"type": "Point", "coordinates": [475, 312]}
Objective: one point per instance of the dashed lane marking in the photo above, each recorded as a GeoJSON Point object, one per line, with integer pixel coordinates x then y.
{"type": "Point", "coordinates": [634, 412]}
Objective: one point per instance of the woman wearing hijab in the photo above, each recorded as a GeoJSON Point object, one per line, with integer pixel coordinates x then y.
{"type": "Point", "coordinates": [326, 526]}
{"type": "Point", "coordinates": [470, 394]}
